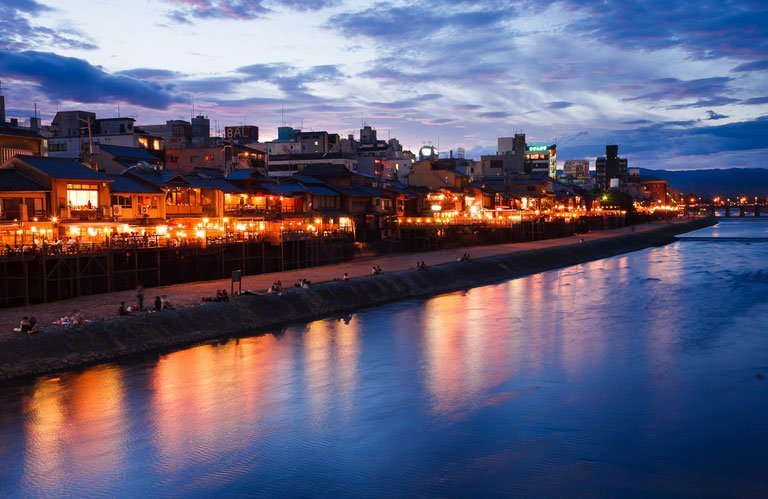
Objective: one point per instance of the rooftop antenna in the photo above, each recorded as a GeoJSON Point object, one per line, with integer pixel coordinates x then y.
{"type": "Point", "coordinates": [118, 108]}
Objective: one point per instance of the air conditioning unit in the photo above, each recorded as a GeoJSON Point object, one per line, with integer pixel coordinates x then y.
{"type": "Point", "coordinates": [117, 210]}
{"type": "Point", "coordinates": [144, 209]}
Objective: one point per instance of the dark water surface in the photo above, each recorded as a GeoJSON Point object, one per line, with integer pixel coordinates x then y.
{"type": "Point", "coordinates": [640, 375]}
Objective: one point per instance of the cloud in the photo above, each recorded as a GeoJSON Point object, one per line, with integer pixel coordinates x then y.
{"type": "Point", "coordinates": [705, 29]}
{"type": "Point", "coordinates": [290, 79]}
{"type": "Point", "coordinates": [305, 5]}
{"type": "Point", "coordinates": [752, 66]}
{"type": "Point", "coordinates": [494, 115]}
{"type": "Point", "coordinates": [715, 101]}
{"type": "Point", "coordinates": [217, 9]}
{"type": "Point", "coordinates": [676, 89]}
{"type": "Point", "coordinates": [18, 33]}
{"type": "Point", "coordinates": [151, 74]}
{"type": "Point", "coordinates": [675, 142]}
{"type": "Point", "coordinates": [558, 105]}
{"type": "Point", "coordinates": [71, 79]}
{"type": "Point", "coordinates": [240, 10]}
{"type": "Point", "coordinates": [755, 101]}
{"type": "Point", "coordinates": [711, 115]}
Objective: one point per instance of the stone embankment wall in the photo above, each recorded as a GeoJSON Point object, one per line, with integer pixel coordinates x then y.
{"type": "Point", "coordinates": [108, 339]}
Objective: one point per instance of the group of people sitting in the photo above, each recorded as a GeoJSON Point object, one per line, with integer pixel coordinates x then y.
{"type": "Point", "coordinates": [302, 283]}
{"type": "Point", "coordinates": [276, 287]}
{"type": "Point", "coordinates": [463, 258]}
{"type": "Point", "coordinates": [162, 303]}
{"type": "Point", "coordinates": [221, 295]}
{"type": "Point", "coordinates": [344, 278]}
{"type": "Point", "coordinates": [77, 317]}
{"type": "Point", "coordinates": [376, 270]}
{"type": "Point", "coordinates": [28, 325]}
{"type": "Point", "coordinates": [421, 265]}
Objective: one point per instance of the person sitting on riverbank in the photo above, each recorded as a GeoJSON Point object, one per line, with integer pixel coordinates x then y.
{"type": "Point", "coordinates": [122, 309]}
{"type": "Point", "coordinates": [158, 304]}
{"type": "Point", "coordinates": [345, 278]}
{"type": "Point", "coordinates": [77, 317]}
{"type": "Point", "coordinates": [32, 325]}
{"type": "Point", "coordinates": [464, 258]}
{"type": "Point", "coordinates": [421, 265]}
{"type": "Point", "coordinates": [24, 325]}
{"type": "Point", "coordinates": [166, 303]}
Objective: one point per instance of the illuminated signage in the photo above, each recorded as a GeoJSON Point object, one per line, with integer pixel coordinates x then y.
{"type": "Point", "coordinates": [538, 148]}
{"type": "Point", "coordinates": [246, 133]}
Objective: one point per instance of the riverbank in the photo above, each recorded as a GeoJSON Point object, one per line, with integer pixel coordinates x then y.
{"type": "Point", "coordinates": [108, 337]}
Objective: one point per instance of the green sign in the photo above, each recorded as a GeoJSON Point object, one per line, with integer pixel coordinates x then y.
{"type": "Point", "coordinates": [538, 148]}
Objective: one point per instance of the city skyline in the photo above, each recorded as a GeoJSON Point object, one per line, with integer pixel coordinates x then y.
{"type": "Point", "coordinates": [678, 86]}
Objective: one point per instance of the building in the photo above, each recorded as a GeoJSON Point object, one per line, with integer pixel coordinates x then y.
{"type": "Point", "coordinates": [117, 159]}
{"type": "Point", "coordinates": [74, 134]}
{"type": "Point", "coordinates": [610, 168]}
{"type": "Point", "coordinates": [18, 140]}
{"type": "Point", "coordinates": [75, 191]}
{"type": "Point", "coordinates": [541, 160]}
{"type": "Point", "coordinates": [186, 160]}
{"type": "Point", "coordinates": [245, 134]}
{"type": "Point", "coordinates": [284, 165]}
{"type": "Point", "coordinates": [577, 171]}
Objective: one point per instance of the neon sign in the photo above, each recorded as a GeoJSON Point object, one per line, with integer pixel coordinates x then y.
{"type": "Point", "coordinates": [538, 148]}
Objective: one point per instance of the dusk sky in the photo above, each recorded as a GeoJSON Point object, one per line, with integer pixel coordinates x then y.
{"type": "Point", "coordinates": [677, 84]}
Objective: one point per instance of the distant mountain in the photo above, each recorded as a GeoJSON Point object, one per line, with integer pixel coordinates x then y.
{"type": "Point", "coordinates": [729, 182]}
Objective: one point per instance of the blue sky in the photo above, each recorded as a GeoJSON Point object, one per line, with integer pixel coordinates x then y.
{"type": "Point", "coordinates": [677, 84]}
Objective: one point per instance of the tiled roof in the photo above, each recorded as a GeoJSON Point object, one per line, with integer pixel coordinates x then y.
{"type": "Point", "coordinates": [123, 152]}
{"type": "Point", "coordinates": [214, 183]}
{"type": "Point", "coordinates": [131, 185]}
{"type": "Point", "coordinates": [164, 178]}
{"type": "Point", "coordinates": [243, 174]}
{"type": "Point", "coordinates": [63, 168]}
{"type": "Point", "coordinates": [14, 181]}
{"type": "Point", "coordinates": [20, 132]}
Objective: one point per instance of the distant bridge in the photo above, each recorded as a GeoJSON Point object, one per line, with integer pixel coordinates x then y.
{"type": "Point", "coordinates": [756, 209]}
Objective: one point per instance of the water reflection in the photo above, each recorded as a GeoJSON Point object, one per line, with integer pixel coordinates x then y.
{"type": "Point", "coordinates": [75, 428]}
{"type": "Point", "coordinates": [598, 375]}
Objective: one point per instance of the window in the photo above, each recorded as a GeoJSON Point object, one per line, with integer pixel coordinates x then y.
{"type": "Point", "coordinates": [82, 196]}
{"type": "Point", "coordinates": [120, 200]}
{"type": "Point", "coordinates": [182, 197]}
{"type": "Point", "coordinates": [57, 147]}
{"type": "Point", "coordinates": [323, 202]}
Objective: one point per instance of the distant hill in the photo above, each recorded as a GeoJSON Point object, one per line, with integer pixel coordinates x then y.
{"type": "Point", "coordinates": [729, 182]}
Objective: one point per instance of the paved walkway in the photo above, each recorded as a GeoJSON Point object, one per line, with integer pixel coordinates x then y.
{"type": "Point", "coordinates": [183, 295]}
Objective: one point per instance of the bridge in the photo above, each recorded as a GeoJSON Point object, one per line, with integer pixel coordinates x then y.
{"type": "Point", "coordinates": [730, 209]}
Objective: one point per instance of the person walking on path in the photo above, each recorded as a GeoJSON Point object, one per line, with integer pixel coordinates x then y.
{"type": "Point", "coordinates": [140, 296]}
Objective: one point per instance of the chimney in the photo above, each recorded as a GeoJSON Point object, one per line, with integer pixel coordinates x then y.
{"type": "Point", "coordinates": [34, 124]}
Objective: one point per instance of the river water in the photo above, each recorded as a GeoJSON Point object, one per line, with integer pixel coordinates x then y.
{"type": "Point", "coordinates": [639, 375]}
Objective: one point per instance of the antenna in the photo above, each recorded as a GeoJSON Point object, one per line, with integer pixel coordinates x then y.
{"type": "Point", "coordinates": [118, 108]}
{"type": "Point", "coordinates": [35, 109]}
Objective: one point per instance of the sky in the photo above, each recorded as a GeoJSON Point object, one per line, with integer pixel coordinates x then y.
{"type": "Point", "coordinates": [676, 84]}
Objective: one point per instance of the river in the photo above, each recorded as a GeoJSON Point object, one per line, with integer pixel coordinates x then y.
{"type": "Point", "coordinates": [640, 375]}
